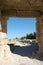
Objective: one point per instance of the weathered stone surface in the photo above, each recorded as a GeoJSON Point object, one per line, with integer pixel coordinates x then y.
{"type": "Point", "coordinates": [4, 48]}
{"type": "Point", "coordinates": [7, 51]}
{"type": "Point", "coordinates": [1, 51]}
{"type": "Point", "coordinates": [3, 37]}
{"type": "Point", "coordinates": [39, 31]}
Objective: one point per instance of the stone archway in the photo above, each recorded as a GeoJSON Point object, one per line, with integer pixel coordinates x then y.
{"type": "Point", "coordinates": [22, 8]}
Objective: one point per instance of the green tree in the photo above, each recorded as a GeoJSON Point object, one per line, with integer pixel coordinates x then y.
{"type": "Point", "coordinates": [34, 35]}
{"type": "Point", "coordinates": [23, 38]}
{"type": "Point", "coordinates": [29, 36]}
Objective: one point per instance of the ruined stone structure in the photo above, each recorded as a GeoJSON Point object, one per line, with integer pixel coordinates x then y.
{"type": "Point", "coordinates": [21, 8]}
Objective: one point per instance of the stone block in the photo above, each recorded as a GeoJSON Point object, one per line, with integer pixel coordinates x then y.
{"type": "Point", "coordinates": [3, 38]}
{"type": "Point", "coordinates": [7, 51]}
{"type": "Point", "coordinates": [3, 35]}
{"type": "Point", "coordinates": [1, 51]}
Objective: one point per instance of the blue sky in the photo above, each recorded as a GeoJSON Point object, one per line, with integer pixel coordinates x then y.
{"type": "Point", "coordinates": [18, 27]}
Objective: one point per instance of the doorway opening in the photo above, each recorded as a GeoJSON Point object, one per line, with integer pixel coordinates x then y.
{"type": "Point", "coordinates": [22, 36]}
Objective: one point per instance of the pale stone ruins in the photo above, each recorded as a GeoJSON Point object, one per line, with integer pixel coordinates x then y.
{"type": "Point", "coordinates": [20, 8]}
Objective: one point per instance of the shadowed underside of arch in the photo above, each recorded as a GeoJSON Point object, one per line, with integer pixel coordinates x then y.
{"type": "Point", "coordinates": [21, 8]}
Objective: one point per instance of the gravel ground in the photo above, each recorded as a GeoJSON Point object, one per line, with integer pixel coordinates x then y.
{"type": "Point", "coordinates": [15, 59]}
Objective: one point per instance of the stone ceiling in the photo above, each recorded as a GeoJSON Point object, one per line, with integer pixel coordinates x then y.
{"type": "Point", "coordinates": [21, 8]}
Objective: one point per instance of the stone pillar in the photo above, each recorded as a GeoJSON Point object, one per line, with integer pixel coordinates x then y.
{"type": "Point", "coordinates": [4, 29]}
{"type": "Point", "coordinates": [4, 49]}
{"type": "Point", "coordinates": [39, 34]}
